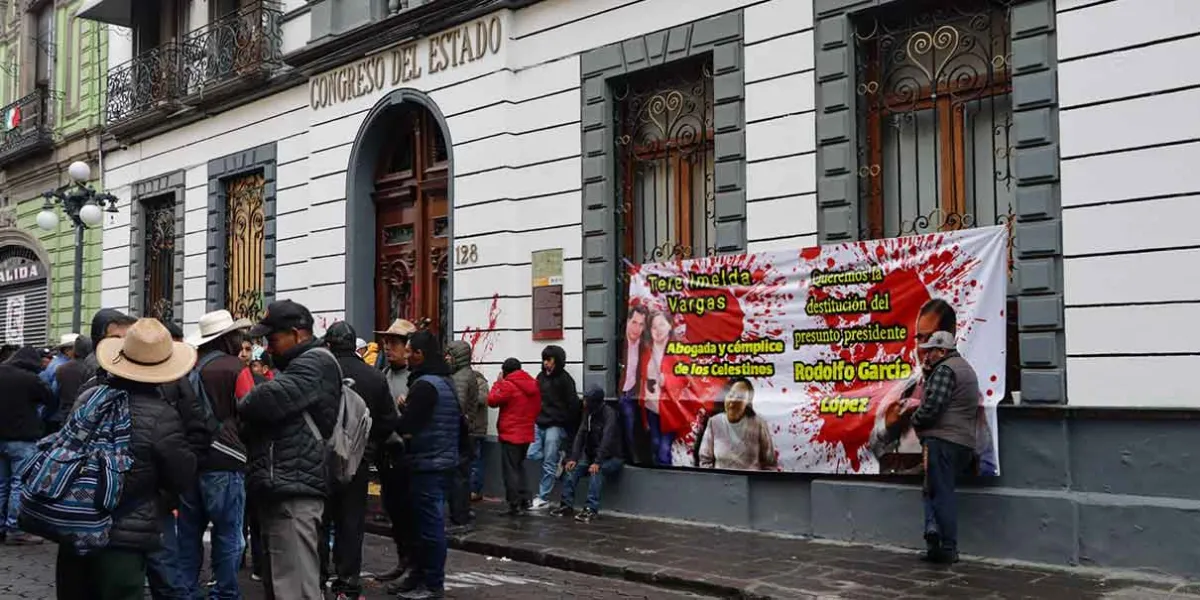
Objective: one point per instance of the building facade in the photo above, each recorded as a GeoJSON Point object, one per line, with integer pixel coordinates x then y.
{"type": "Point", "coordinates": [490, 168]}
{"type": "Point", "coordinates": [51, 75]}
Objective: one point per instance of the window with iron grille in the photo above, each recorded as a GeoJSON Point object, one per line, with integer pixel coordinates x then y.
{"type": "Point", "coordinates": [159, 246]}
{"type": "Point", "coordinates": [664, 151]}
{"type": "Point", "coordinates": [934, 123]}
{"type": "Point", "coordinates": [245, 250]}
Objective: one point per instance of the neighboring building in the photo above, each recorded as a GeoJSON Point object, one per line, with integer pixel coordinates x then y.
{"type": "Point", "coordinates": [51, 73]}
{"type": "Point", "coordinates": [377, 159]}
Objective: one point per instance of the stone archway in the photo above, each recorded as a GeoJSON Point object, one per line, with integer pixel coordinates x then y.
{"type": "Point", "coordinates": [410, 206]}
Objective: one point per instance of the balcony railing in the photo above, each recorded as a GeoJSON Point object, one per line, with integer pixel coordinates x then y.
{"type": "Point", "coordinates": [27, 126]}
{"type": "Point", "coordinates": [209, 63]}
{"type": "Point", "coordinates": [242, 45]}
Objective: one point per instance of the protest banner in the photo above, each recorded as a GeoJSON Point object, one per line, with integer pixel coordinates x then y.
{"type": "Point", "coordinates": [788, 361]}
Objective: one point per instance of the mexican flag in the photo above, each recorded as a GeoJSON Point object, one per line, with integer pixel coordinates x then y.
{"type": "Point", "coordinates": [12, 118]}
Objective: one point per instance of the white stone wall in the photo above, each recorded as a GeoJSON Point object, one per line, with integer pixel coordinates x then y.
{"type": "Point", "coordinates": [1130, 146]}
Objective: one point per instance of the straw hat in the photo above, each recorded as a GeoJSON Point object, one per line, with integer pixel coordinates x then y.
{"type": "Point", "coordinates": [67, 340]}
{"type": "Point", "coordinates": [214, 325]}
{"type": "Point", "coordinates": [146, 354]}
{"type": "Point", "coordinates": [399, 328]}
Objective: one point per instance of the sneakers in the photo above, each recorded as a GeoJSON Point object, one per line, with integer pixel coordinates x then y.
{"type": "Point", "coordinates": [422, 593]}
{"type": "Point", "coordinates": [22, 539]}
{"type": "Point", "coordinates": [539, 504]}
{"type": "Point", "coordinates": [586, 516]}
{"type": "Point", "coordinates": [394, 574]}
{"type": "Point", "coordinates": [562, 511]}
{"type": "Point", "coordinates": [406, 585]}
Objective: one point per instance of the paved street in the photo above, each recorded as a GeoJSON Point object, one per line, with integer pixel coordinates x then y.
{"type": "Point", "coordinates": [28, 573]}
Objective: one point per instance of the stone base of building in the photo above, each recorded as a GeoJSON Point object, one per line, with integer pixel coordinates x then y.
{"type": "Point", "coordinates": [1087, 487]}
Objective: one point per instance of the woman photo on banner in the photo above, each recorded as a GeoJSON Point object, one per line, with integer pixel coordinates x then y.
{"type": "Point", "coordinates": [736, 437]}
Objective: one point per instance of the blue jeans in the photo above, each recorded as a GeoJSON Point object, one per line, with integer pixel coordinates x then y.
{"type": "Point", "coordinates": [162, 565]}
{"type": "Point", "coordinates": [220, 499]}
{"type": "Point", "coordinates": [660, 442]}
{"type": "Point", "coordinates": [429, 512]}
{"type": "Point", "coordinates": [13, 456]}
{"type": "Point", "coordinates": [477, 467]}
{"type": "Point", "coordinates": [945, 461]}
{"type": "Point", "coordinates": [608, 468]}
{"type": "Point", "coordinates": [547, 447]}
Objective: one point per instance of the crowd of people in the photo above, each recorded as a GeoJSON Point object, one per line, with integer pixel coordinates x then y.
{"type": "Point", "coordinates": [228, 432]}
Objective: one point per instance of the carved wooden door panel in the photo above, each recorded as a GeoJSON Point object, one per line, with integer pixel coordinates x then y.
{"type": "Point", "coordinates": [412, 226]}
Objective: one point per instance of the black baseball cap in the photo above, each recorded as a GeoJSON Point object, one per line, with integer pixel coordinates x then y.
{"type": "Point", "coordinates": [283, 315]}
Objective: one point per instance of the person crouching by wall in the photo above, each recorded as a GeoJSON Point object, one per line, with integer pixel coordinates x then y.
{"type": "Point", "coordinates": [519, 399]}
{"type": "Point", "coordinates": [596, 453]}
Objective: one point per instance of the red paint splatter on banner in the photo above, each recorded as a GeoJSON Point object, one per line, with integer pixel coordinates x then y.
{"type": "Point", "coordinates": [483, 339]}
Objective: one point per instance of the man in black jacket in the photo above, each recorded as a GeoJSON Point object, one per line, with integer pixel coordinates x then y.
{"type": "Point", "coordinates": [346, 509]}
{"type": "Point", "coordinates": [20, 428]}
{"type": "Point", "coordinates": [556, 422]}
{"type": "Point", "coordinates": [595, 453]}
{"type": "Point", "coordinates": [433, 426]}
{"type": "Point", "coordinates": [287, 470]}
{"type": "Point", "coordinates": [163, 465]}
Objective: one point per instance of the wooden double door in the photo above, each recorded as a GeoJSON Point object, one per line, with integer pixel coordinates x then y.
{"type": "Point", "coordinates": [412, 224]}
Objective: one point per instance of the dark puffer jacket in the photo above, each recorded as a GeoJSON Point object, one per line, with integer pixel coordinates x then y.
{"type": "Point", "coordinates": [471, 400]}
{"type": "Point", "coordinates": [163, 466]}
{"type": "Point", "coordinates": [286, 459]}
{"type": "Point", "coordinates": [560, 396]}
{"type": "Point", "coordinates": [23, 391]}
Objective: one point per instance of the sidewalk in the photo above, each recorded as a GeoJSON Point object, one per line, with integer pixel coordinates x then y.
{"type": "Point", "coordinates": [737, 564]}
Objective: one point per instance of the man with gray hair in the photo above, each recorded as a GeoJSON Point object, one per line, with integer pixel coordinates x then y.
{"type": "Point", "coordinates": [946, 421]}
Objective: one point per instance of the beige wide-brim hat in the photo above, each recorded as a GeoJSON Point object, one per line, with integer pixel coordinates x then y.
{"type": "Point", "coordinates": [399, 328]}
{"type": "Point", "coordinates": [146, 354]}
{"type": "Point", "coordinates": [214, 325]}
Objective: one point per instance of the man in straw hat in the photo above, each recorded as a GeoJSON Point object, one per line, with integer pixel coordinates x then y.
{"type": "Point", "coordinates": [389, 460]}
{"type": "Point", "coordinates": [162, 462]}
{"type": "Point", "coordinates": [220, 496]}
{"type": "Point", "coordinates": [64, 352]}
{"type": "Point", "coordinates": [287, 470]}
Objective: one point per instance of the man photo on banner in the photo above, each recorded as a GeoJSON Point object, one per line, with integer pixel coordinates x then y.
{"type": "Point", "coordinates": [893, 440]}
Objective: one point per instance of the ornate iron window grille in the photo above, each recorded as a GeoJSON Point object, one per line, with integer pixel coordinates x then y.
{"type": "Point", "coordinates": [245, 251]}
{"type": "Point", "coordinates": [159, 244]}
{"type": "Point", "coordinates": [28, 123]}
{"type": "Point", "coordinates": [246, 42]}
{"type": "Point", "coordinates": [152, 79]}
{"type": "Point", "coordinates": [934, 119]}
{"type": "Point", "coordinates": [935, 122]}
{"type": "Point", "coordinates": [666, 197]}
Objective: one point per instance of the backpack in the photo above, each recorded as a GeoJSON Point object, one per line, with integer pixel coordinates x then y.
{"type": "Point", "coordinates": [346, 447]}
{"type": "Point", "coordinates": [72, 485]}
{"type": "Point", "coordinates": [214, 424]}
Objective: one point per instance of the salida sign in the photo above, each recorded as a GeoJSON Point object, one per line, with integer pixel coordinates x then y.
{"type": "Point", "coordinates": [20, 270]}
{"type": "Point", "coordinates": [447, 50]}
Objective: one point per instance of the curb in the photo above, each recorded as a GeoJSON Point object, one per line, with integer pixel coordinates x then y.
{"type": "Point", "coordinates": [601, 566]}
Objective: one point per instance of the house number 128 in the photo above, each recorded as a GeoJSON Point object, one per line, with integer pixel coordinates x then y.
{"type": "Point", "coordinates": [466, 254]}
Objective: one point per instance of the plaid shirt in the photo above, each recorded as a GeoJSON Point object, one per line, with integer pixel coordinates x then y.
{"type": "Point", "coordinates": [939, 389]}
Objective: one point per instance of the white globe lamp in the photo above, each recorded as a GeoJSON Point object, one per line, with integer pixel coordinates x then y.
{"type": "Point", "coordinates": [79, 171]}
{"type": "Point", "coordinates": [47, 220]}
{"type": "Point", "coordinates": [91, 214]}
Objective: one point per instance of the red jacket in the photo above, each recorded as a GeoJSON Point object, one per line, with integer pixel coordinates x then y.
{"type": "Point", "coordinates": [519, 400]}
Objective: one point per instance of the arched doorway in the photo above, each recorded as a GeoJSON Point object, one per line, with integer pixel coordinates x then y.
{"type": "Point", "coordinates": [412, 222]}
{"type": "Point", "coordinates": [399, 216]}
{"type": "Point", "coordinates": [24, 290]}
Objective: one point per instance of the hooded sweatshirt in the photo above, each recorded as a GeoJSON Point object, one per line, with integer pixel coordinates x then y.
{"type": "Point", "coordinates": [560, 396]}
{"type": "Point", "coordinates": [471, 399]}
{"type": "Point", "coordinates": [598, 439]}
{"type": "Point", "coordinates": [23, 393]}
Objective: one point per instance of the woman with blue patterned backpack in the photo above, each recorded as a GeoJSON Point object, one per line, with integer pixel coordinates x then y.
{"type": "Point", "coordinates": [95, 487]}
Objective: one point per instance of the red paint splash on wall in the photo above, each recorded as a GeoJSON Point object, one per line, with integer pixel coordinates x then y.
{"type": "Point", "coordinates": [483, 339]}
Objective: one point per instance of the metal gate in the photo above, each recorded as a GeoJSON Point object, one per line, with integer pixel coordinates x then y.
{"type": "Point", "coordinates": [25, 314]}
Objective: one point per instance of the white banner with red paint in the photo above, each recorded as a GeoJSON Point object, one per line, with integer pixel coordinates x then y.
{"type": "Point", "coordinates": [789, 361]}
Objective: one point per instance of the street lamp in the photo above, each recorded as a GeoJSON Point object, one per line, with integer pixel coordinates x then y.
{"type": "Point", "coordinates": [84, 206]}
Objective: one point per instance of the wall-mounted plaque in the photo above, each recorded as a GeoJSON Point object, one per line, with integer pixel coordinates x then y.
{"type": "Point", "coordinates": [548, 294]}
